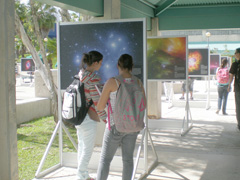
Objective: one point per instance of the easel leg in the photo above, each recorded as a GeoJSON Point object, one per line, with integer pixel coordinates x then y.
{"type": "Point", "coordinates": [48, 148]}
{"type": "Point", "coordinates": [186, 117]}
{"type": "Point", "coordinates": [154, 164]}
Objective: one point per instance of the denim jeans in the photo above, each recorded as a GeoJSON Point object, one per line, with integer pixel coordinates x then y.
{"type": "Point", "coordinates": [237, 103]}
{"type": "Point", "coordinates": [222, 97]}
{"type": "Point", "coordinates": [112, 140]}
{"type": "Point", "coordinates": [86, 133]}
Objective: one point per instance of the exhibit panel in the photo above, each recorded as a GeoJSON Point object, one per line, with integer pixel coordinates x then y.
{"type": "Point", "coordinates": [166, 58]}
{"type": "Point", "coordinates": [27, 65]}
{"type": "Point", "coordinates": [198, 62]}
{"type": "Point", "coordinates": [229, 61]}
{"type": "Point", "coordinates": [214, 63]}
{"type": "Point", "coordinates": [111, 38]}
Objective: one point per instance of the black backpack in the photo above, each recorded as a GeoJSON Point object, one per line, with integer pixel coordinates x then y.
{"type": "Point", "coordinates": [75, 107]}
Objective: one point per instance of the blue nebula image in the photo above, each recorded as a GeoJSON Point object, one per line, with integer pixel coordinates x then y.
{"type": "Point", "coordinates": [112, 39]}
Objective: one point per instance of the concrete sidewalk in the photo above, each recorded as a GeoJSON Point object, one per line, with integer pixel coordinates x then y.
{"type": "Point", "coordinates": [210, 151]}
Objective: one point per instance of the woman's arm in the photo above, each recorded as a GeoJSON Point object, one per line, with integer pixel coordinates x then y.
{"type": "Point", "coordinates": [109, 87]}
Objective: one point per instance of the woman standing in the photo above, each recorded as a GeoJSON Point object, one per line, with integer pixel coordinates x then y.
{"type": "Point", "coordinates": [86, 132]}
{"type": "Point", "coordinates": [112, 137]}
{"type": "Point", "coordinates": [222, 83]}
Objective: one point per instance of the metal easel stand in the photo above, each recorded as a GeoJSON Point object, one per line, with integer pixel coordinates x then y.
{"type": "Point", "coordinates": [58, 129]}
{"type": "Point", "coordinates": [189, 122]}
{"type": "Point", "coordinates": [208, 95]}
{"type": "Point", "coordinates": [154, 164]}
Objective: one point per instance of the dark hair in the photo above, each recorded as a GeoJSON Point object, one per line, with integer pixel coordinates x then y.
{"type": "Point", "coordinates": [125, 61]}
{"type": "Point", "coordinates": [224, 63]}
{"type": "Point", "coordinates": [90, 58]}
{"type": "Point", "coordinates": [238, 50]}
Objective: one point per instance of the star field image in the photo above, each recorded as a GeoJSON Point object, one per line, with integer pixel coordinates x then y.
{"type": "Point", "coordinates": [112, 39]}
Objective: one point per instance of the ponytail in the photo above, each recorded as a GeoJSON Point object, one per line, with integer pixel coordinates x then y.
{"type": "Point", "coordinates": [224, 63]}
{"type": "Point", "coordinates": [89, 58]}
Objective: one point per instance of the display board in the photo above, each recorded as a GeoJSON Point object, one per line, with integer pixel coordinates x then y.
{"type": "Point", "coordinates": [229, 61]}
{"type": "Point", "coordinates": [27, 64]}
{"type": "Point", "coordinates": [198, 62]}
{"type": "Point", "coordinates": [111, 38]}
{"type": "Point", "coordinates": [166, 58]}
{"type": "Point", "coordinates": [214, 63]}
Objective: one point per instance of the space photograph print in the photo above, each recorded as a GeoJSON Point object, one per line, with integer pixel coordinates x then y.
{"type": "Point", "coordinates": [111, 38]}
{"type": "Point", "coordinates": [27, 64]}
{"type": "Point", "coordinates": [198, 62]}
{"type": "Point", "coordinates": [166, 58]}
{"type": "Point", "coordinates": [214, 63]}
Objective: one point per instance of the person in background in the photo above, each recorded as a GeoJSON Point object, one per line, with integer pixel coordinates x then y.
{"type": "Point", "coordinates": [190, 88]}
{"type": "Point", "coordinates": [234, 72]}
{"type": "Point", "coordinates": [113, 138]}
{"type": "Point", "coordinates": [222, 75]}
{"type": "Point", "coordinates": [168, 89]}
{"type": "Point", "coordinates": [86, 132]}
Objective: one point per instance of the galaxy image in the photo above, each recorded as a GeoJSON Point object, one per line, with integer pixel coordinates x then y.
{"type": "Point", "coordinates": [27, 65]}
{"type": "Point", "coordinates": [194, 61]}
{"type": "Point", "coordinates": [166, 58]}
{"type": "Point", "coordinates": [198, 62]}
{"type": "Point", "coordinates": [112, 39]}
{"type": "Point", "coordinates": [214, 63]}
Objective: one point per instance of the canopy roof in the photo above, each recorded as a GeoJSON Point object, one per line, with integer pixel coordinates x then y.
{"type": "Point", "coordinates": [172, 14]}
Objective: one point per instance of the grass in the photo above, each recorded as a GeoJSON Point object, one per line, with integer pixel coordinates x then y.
{"type": "Point", "coordinates": [33, 138]}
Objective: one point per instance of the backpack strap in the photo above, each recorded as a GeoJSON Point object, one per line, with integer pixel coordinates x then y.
{"type": "Point", "coordinates": [120, 78]}
{"type": "Point", "coordinates": [110, 107]}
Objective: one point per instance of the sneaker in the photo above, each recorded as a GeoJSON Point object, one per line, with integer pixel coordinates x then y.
{"type": "Point", "coordinates": [191, 98]}
{"type": "Point", "coordinates": [217, 111]}
{"type": "Point", "coordinates": [181, 97]}
{"type": "Point", "coordinates": [225, 113]}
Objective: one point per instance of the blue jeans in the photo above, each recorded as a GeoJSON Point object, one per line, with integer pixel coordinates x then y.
{"type": "Point", "coordinates": [222, 97]}
{"type": "Point", "coordinates": [112, 140]}
{"type": "Point", "coordinates": [86, 133]}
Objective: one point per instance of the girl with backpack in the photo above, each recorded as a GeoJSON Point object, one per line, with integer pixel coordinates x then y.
{"type": "Point", "coordinates": [86, 132]}
{"type": "Point", "coordinates": [222, 83]}
{"type": "Point", "coordinates": [113, 137]}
